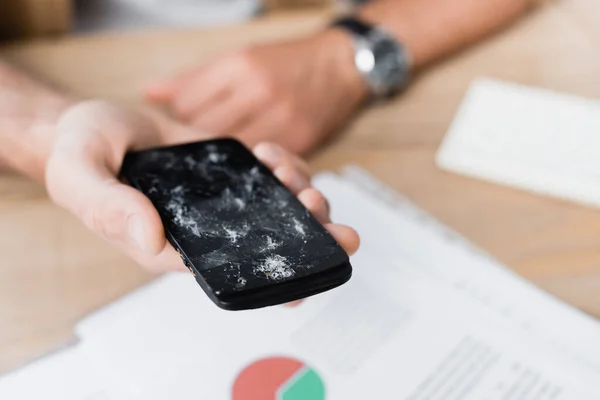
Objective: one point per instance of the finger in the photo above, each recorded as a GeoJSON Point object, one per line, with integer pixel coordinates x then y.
{"type": "Point", "coordinates": [214, 83]}
{"type": "Point", "coordinates": [345, 236]}
{"type": "Point", "coordinates": [197, 98]}
{"type": "Point", "coordinates": [293, 304]}
{"type": "Point", "coordinates": [281, 125]}
{"type": "Point", "coordinates": [314, 201]}
{"type": "Point", "coordinates": [263, 127]}
{"type": "Point", "coordinates": [226, 114]}
{"type": "Point", "coordinates": [163, 91]}
{"type": "Point", "coordinates": [118, 213]}
{"type": "Point", "coordinates": [290, 177]}
{"type": "Point", "coordinates": [167, 260]}
{"type": "Point", "coordinates": [274, 156]}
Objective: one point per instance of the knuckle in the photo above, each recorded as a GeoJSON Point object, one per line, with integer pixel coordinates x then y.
{"type": "Point", "coordinates": [91, 219]}
{"type": "Point", "coordinates": [318, 197]}
{"type": "Point", "coordinates": [180, 106]}
{"type": "Point", "coordinates": [305, 134]}
{"type": "Point", "coordinates": [322, 203]}
{"type": "Point", "coordinates": [268, 152]}
{"type": "Point", "coordinates": [287, 171]}
{"type": "Point", "coordinates": [264, 89]}
{"type": "Point", "coordinates": [304, 127]}
{"type": "Point", "coordinates": [312, 199]}
{"type": "Point", "coordinates": [286, 111]}
{"type": "Point", "coordinates": [107, 221]}
{"type": "Point", "coordinates": [284, 173]}
{"type": "Point", "coordinates": [246, 61]}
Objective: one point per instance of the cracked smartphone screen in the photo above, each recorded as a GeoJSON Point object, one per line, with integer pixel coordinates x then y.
{"type": "Point", "coordinates": [237, 227]}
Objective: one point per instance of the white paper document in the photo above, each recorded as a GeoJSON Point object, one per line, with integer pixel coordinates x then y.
{"type": "Point", "coordinates": [425, 316]}
{"type": "Point", "coordinates": [530, 138]}
{"type": "Point", "coordinates": [66, 375]}
{"type": "Point", "coordinates": [443, 254]}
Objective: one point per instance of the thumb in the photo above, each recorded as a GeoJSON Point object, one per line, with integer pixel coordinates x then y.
{"type": "Point", "coordinates": [117, 212]}
{"type": "Point", "coordinates": [81, 176]}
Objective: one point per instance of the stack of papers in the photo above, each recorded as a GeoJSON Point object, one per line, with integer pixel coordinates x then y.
{"type": "Point", "coordinates": [425, 316]}
{"type": "Point", "coordinates": [530, 138]}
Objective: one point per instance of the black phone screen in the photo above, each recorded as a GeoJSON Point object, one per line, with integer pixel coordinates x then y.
{"type": "Point", "coordinates": [232, 220]}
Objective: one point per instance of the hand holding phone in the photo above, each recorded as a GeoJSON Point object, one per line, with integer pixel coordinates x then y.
{"type": "Point", "coordinates": [90, 142]}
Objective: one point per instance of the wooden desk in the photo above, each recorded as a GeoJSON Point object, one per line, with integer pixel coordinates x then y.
{"type": "Point", "coordinates": [29, 18]}
{"type": "Point", "coordinates": [53, 272]}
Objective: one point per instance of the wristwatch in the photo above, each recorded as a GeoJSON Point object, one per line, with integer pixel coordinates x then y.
{"type": "Point", "coordinates": [380, 58]}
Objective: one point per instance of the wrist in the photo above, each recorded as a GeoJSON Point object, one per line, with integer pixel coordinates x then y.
{"type": "Point", "coordinates": [430, 30]}
{"type": "Point", "coordinates": [337, 48]}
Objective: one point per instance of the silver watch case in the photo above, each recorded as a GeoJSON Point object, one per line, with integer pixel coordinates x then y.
{"type": "Point", "coordinates": [382, 61]}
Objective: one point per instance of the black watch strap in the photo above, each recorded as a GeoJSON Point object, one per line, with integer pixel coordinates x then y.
{"type": "Point", "coordinates": [353, 25]}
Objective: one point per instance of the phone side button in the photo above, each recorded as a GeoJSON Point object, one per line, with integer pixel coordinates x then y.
{"type": "Point", "coordinates": [186, 263]}
{"type": "Point", "coordinates": [189, 267]}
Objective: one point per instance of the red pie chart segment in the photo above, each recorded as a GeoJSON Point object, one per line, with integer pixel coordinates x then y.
{"type": "Point", "coordinates": [262, 379]}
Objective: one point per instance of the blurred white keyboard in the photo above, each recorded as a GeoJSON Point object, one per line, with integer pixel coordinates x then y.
{"type": "Point", "coordinates": [533, 139]}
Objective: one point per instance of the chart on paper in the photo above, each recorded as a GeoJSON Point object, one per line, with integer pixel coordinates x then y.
{"type": "Point", "coordinates": [278, 378]}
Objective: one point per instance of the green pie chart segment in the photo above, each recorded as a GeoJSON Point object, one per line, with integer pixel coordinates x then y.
{"type": "Point", "coordinates": [306, 385]}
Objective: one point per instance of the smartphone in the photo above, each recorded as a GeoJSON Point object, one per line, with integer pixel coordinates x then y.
{"type": "Point", "coordinates": [246, 238]}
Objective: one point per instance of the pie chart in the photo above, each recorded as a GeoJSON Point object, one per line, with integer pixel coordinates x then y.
{"type": "Point", "coordinates": [278, 378]}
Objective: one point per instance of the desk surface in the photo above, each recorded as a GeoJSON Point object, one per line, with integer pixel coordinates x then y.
{"type": "Point", "coordinates": [53, 272]}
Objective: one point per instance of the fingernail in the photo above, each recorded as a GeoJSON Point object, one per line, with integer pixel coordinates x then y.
{"type": "Point", "coordinates": [136, 231]}
{"type": "Point", "coordinates": [293, 304]}
{"type": "Point", "coordinates": [157, 91]}
{"type": "Point", "coordinates": [269, 154]}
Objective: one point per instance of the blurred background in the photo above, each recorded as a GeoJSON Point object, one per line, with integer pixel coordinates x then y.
{"type": "Point", "coordinates": [33, 18]}
{"type": "Point", "coordinates": [551, 242]}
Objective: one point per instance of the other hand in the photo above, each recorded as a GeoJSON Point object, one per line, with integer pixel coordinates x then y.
{"type": "Point", "coordinates": [293, 93]}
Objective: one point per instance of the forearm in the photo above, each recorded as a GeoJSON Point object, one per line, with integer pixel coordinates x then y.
{"type": "Point", "coordinates": [29, 111]}
{"type": "Point", "coordinates": [431, 29]}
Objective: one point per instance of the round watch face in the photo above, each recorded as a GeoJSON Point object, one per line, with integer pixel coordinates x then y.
{"type": "Point", "coordinates": [390, 66]}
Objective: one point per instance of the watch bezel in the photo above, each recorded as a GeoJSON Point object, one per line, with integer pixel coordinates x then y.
{"type": "Point", "coordinates": [380, 83]}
